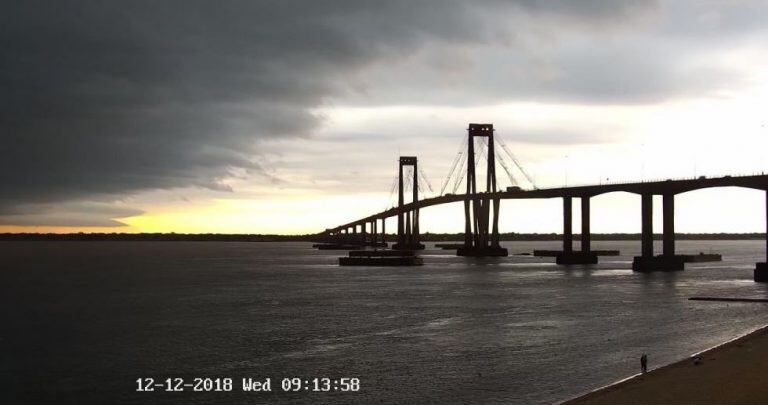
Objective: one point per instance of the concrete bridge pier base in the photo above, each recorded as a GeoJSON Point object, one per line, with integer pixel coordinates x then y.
{"type": "Point", "coordinates": [761, 270]}
{"type": "Point", "coordinates": [375, 239]}
{"type": "Point", "coordinates": [668, 261]}
{"type": "Point", "coordinates": [576, 258]}
{"type": "Point", "coordinates": [408, 247]}
{"type": "Point", "coordinates": [658, 263]}
{"type": "Point", "coordinates": [409, 239]}
{"type": "Point", "coordinates": [488, 251]}
{"type": "Point", "coordinates": [479, 240]}
{"type": "Point", "coordinates": [568, 255]}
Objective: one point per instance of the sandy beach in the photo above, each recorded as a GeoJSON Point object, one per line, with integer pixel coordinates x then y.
{"type": "Point", "coordinates": [733, 373]}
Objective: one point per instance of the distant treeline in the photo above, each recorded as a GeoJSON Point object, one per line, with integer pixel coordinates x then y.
{"type": "Point", "coordinates": [430, 237]}
{"type": "Point", "coordinates": [155, 237]}
{"type": "Point", "coordinates": [598, 236]}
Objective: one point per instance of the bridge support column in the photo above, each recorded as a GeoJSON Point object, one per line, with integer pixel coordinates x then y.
{"type": "Point", "coordinates": [384, 231]}
{"type": "Point", "coordinates": [761, 270]}
{"type": "Point", "coordinates": [668, 261]}
{"type": "Point", "coordinates": [407, 236]}
{"type": "Point", "coordinates": [372, 237]}
{"type": "Point", "coordinates": [400, 203]}
{"type": "Point", "coordinates": [568, 256]}
{"type": "Point", "coordinates": [586, 236]}
{"type": "Point", "coordinates": [377, 238]}
{"type": "Point", "coordinates": [415, 235]}
{"type": "Point", "coordinates": [669, 224]}
{"type": "Point", "coordinates": [647, 225]}
{"type": "Point", "coordinates": [567, 225]}
{"type": "Point", "coordinates": [495, 229]}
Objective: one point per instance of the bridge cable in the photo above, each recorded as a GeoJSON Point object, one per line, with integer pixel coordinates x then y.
{"type": "Point", "coordinates": [483, 152]}
{"type": "Point", "coordinates": [456, 161]}
{"type": "Point", "coordinates": [503, 164]}
{"type": "Point", "coordinates": [516, 162]}
{"type": "Point", "coordinates": [460, 174]}
{"type": "Point", "coordinates": [463, 172]}
{"type": "Point", "coordinates": [391, 199]}
{"type": "Point", "coordinates": [408, 186]}
{"type": "Point", "coordinates": [426, 180]}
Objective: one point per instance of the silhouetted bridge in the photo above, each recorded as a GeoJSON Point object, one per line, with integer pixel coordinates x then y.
{"type": "Point", "coordinates": [481, 209]}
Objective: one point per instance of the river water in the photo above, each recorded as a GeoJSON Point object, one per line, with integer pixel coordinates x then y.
{"type": "Point", "coordinates": [82, 321]}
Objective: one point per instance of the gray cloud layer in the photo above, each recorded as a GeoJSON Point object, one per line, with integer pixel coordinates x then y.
{"type": "Point", "coordinates": [104, 99]}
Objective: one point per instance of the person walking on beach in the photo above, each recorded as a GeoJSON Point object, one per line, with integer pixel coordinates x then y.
{"type": "Point", "coordinates": [644, 363]}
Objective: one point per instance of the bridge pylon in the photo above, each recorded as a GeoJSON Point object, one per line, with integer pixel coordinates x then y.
{"type": "Point", "coordinates": [481, 214]}
{"type": "Point", "coordinates": [408, 221]}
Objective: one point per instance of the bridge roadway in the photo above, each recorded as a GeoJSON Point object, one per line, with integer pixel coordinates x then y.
{"type": "Point", "coordinates": [665, 187]}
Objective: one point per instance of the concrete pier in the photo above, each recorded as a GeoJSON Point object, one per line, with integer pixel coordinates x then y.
{"type": "Point", "coordinates": [646, 237]}
{"type": "Point", "coordinates": [644, 264]}
{"type": "Point", "coordinates": [668, 211]}
{"type": "Point", "coordinates": [586, 235]}
{"type": "Point", "coordinates": [555, 253]}
{"type": "Point", "coordinates": [449, 246]}
{"type": "Point", "coordinates": [668, 261]}
{"type": "Point", "coordinates": [703, 257]}
{"type": "Point", "coordinates": [761, 272]}
{"type": "Point", "coordinates": [576, 258]}
{"type": "Point", "coordinates": [482, 251]}
{"type": "Point", "coordinates": [761, 269]}
{"type": "Point", "coordinates": [381, 253]}
{"type": "Point", "coordinates": [567, 225]}
{"type": "Point", "coordinates": [408, 246]}
{"type": "Point", "coordinates": [568, 255]}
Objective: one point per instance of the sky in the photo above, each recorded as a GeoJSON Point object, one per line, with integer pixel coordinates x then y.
{"type": "Point", "coordinates": [289, 116]}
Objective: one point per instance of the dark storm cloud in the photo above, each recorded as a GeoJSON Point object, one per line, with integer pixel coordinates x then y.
{"type": "Point", "coordinates": [103, 99]}
{"type": "Point", "coordinates": [68, 214]}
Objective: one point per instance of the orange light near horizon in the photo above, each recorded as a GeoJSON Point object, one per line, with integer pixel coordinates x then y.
{"type": "Point", "coordinates": [64, 229]}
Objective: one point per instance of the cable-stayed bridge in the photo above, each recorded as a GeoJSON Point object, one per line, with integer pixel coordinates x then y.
{"type": "Point", "coordinates": [481, 207]}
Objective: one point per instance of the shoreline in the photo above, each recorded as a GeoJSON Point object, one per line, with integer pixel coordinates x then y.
{"type": "Point", "coordinates": [728, 380]}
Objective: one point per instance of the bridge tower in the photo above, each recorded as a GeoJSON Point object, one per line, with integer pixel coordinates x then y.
{"type": "Point", "coordinates": [481, 230]}
{"type": "Point", "coordinates": [408, 221]}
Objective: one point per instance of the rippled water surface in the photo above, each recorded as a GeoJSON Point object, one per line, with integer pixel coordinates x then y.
{"type": "Point", "coordinates": [81, 321]}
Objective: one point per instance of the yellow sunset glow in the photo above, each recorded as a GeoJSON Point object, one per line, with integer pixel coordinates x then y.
{"type": "Point", "coordinates": [285, 216]}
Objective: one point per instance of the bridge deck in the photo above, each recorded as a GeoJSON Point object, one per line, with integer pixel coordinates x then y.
{"type": "Point", "coordinates": [759, 182]}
